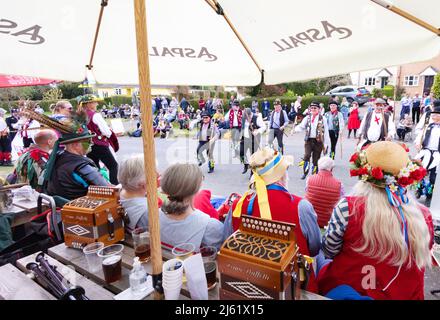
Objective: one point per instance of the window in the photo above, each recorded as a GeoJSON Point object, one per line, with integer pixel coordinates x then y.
{"type": "Point", "coordinates": [118, 91]}
{"type": "Point", "coordinates": [411, 81]}
{"type": "Point", "coordinates": [371, 81]}
{"type": "Point", "coordinates": [348, 90]}
{"type": "Point", "coordinates": [105, 94]}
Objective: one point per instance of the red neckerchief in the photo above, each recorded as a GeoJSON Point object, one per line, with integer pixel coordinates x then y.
{"type": "Point", "coordinates": [314, 117]}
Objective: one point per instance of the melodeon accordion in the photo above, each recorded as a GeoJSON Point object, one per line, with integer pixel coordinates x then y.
{"type": "Point", "coordinates": [260, 262]}
{"type": "Point", "coordinates": [96, 217]}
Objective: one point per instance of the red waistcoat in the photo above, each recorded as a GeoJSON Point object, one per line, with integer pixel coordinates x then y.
{"type": "Point", "coordinates": [354, 269]}
{"type": "Point", "coordinates": [99, 139]}
{"type": "Point", "coordinates": [323, 191]}
{"type": "Point", "coordinates": [283, 209]}
{"type": "Point", "coordinates": [239, 117]}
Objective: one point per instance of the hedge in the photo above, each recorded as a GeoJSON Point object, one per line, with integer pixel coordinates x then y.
{"type": "Point", "coordinates": [45, 104]}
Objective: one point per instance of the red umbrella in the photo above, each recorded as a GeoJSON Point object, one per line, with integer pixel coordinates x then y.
{"type": "Point", "coordinates": [10, 81]}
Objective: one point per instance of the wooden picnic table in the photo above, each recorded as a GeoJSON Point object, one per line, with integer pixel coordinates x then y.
{"type": "Point", "coordinates": [23, 210]}
{"type": "Point", "coordinates": [77, 259]}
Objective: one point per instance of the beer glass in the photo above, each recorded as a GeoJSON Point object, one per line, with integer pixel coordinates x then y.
{"type": "Point", "coordinates": [111, 262]}
{"type": "Point", "coordinates": [141, 238]}
{"type": "Point", "coordinates": [209, 255]}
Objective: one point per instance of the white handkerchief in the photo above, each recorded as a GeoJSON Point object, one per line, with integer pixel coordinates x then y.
{"type": "Point", "coordinates": [195, 276]}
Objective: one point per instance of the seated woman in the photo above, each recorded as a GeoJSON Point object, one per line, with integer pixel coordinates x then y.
{"type": "Point", "coordinates": [179, 221]}
{"type": "Point", "coordinates": [380, 237]}
{"type": "Point", "coordinates": [405, 126]}
{"type": "Point", "coordinates": [131, 176]}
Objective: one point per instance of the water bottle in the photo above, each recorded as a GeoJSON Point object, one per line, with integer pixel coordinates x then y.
{"type": "Point", "coordinates": [138, 278]}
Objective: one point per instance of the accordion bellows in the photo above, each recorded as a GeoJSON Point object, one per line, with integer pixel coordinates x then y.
{"type": "Point", "coordinates": [259, 262]}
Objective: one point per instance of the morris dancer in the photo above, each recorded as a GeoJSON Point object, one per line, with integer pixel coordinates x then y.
{"type": "Point", "coordinates": [374, 128]}
{"type": "Point", "coordinates": [252, 129]}
{"type": "Point", "coordinates": [235, 124]}
{"type": "Point", "coordinates": [428, 144]}
{"type": "Point", "coordinates": [335, 124]}
{"type": "Point", "coordinates": [207, 136]}
{"type": "Point", "coordinates": [316, 139]}
{"type": "Point", "coordinates": [5, 141]}
{"type": "Point", "coordinates": [101, 141]}
{"type": "Point", "coordinates": [277, 123]}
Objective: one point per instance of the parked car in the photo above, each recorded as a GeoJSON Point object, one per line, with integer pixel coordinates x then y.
{"type": "Point", "coordinates": [352, 93]}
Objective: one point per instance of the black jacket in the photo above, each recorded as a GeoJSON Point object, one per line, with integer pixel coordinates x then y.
{"type": "Point", "coordinates": [71, 176]}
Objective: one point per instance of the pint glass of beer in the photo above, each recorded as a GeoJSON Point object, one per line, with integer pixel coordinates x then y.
{"type": "Point", "coordinates": [111, 262]}
{"type": "Point", "coordinates": [141, 239]}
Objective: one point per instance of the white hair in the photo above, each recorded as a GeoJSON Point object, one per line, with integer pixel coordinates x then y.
{"type": "Point", "coordinates": [131, 173]}
{"type": "Point", "coordinates": [326, 163]}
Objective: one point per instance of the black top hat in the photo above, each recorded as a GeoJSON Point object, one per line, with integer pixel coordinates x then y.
{"type": "Point", "coordinates": [314, 104]}
{"type": "Point", "coordinates": [436, 106]}
{"type": "Point", "coordinates": [205, 114]}
{"type": "Point", "coordinates": [236, 102]}
{"type": "Point", "coordinates": [333, 102]}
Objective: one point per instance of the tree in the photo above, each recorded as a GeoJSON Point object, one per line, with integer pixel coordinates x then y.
{"type": "Point", "coordinates": [53, 94]}
{"type": "Point", "coordinates": [70, 90]}
{"type": "Point", "coordinates": [435, 89]}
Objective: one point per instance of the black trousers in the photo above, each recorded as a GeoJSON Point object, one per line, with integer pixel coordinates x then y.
{"type": "Point", "coordinates": [27, 142]}
{"type": "Point", "coordinates": [415, 114]}
{"type": "Point", "coordinates": [333, 139]}
{"type": "Point", "coordinates": [252, 144]}
{"type": "Point", "coordinates": [103, 154]}
{"type": "Point", "coordinates": [278, 134]}
{"type": "Point", "coordinates": [5, 144]}
{"type": "Point", "coordinates": [313, 148]}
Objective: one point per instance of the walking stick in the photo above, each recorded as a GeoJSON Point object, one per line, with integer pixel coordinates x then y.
{"type": "Point", "coordinates": [340, 144]}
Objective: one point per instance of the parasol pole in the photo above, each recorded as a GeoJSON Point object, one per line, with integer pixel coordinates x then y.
{"type": "Point", "coordinates": [148, 141]}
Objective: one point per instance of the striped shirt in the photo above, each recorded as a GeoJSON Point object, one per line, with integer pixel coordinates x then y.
{"type": "Point", "coordinates": [334, 235]}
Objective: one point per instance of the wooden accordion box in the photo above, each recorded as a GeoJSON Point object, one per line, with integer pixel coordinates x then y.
{"type": "Point", "coordinates": [97, 217]}
{"type": "Point", "coordinates": [260, 262]}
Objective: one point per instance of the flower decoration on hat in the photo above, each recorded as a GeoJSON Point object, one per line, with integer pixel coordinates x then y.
{"type": "Point", "coordinates": [408, 176]}
{"type": "Point", "coordinates": [401, 173]}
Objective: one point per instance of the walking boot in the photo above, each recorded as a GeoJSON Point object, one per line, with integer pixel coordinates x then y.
{"type": "Point", "coordinates": [245, 169]}
{"type": "Point", "coordinates": [211, 166]}
{"type": "Point", "coordinates": [305, 169]}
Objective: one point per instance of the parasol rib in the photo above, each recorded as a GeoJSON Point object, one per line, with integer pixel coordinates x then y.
{"type": "Point", "coordinates": [407, 16]}
{"type": "Point", "coordinates": [219, 10]}
{"type": "Point", "coordinates": [104, 3]}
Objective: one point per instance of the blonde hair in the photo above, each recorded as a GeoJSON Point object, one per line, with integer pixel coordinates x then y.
{"type": "Point", "coordinates": [382, 231]}
{"type": "Point", "coordinates": [55, 107]}
{"type": "Point", "coordinates": [180, 182]}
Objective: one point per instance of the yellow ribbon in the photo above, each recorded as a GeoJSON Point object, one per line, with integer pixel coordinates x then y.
{"type": "Point", "coordinates": [263, 201]}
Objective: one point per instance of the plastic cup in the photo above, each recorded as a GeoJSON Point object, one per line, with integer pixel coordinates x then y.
{"type": "Point", "coordinates": [183, 251]}
{"type": "Point", "coordinates": [91, 253]}
{"type": "Point", "coordinates": [172, 293]}
{"type": "Point", "coordinates": [141, 239]}
{"type": "Point", "coordinates": [209, 255]}
{"type": "Point", "coordinates": [111, 262]}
